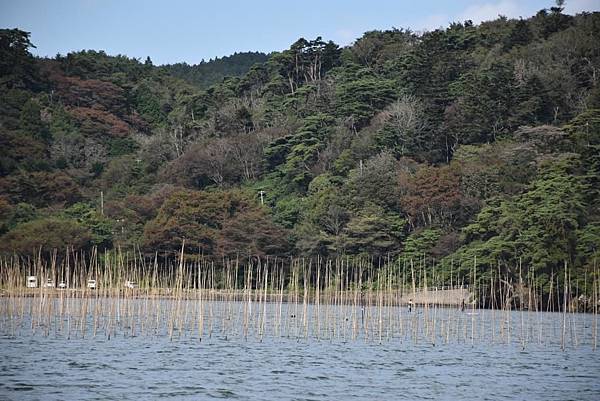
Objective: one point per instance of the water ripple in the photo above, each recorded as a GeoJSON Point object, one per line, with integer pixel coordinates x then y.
{"type": "Point", "coordinates": [154, 368]}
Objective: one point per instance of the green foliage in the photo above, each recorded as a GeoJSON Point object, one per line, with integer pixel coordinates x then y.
{"type": "Point", "coordinates": [122, 146]}
{"type": "Point", "coordinates": [323, 218]}
{"type": "Point", "coordinates": [588, 244]}
{"type": "Point", "coordinates": [148, 103]}
{"type": "Point", "coordinates": [377, 48]}
{"type": "Point", "coordinates": [62, 124]}
{"type": "Point", "coordinates": [584, 130]}
{"type": "Point", "coordinates": [304, 62]}
{"type": "Point", "coordinates": [207, 73]}
{"type": "Point", "coordinates": [13, 215]}
{"type": "Point", "coordinates": [31, 123]}
{"type": "Point", "coordinates": [45, 234]}
{"type": "Point", "coordinates": [419, 244]}
{"type": "Point", "coordinates": [11, 104]}
{"type": "Point", "coordinates": [17, 66]}
{"type": "Point", "coordinates": [482, 108]}
{"type": "Point", "coordinates": [374, 232]}
{"type": "Point", "coordinates": [287, 210]}
{"type": "Point", "coordinates": [101, 228]}
{"type": "Point", "coordinates": [520, 35]}
{"type": "Point", "coordinates": [123, 176]}
{"type": "Point", "coordinates": [89, 64]}
{"type": "Point", "coordinates": [469, 142]}
{"type": "Point", "coordinates": [22, 213]}
{"type": "Point", "coordinates": [440, 59]}
{"type": "Point", "coordinates": [26, 153]}
{"type": "Point", "coordinates": [360, 93]}
{"type": "Point", "coordinates": [295, 154]}
{"type": "Point", "coordinates": [375, 181]}
{"type": "Point", "coordinates": [538, 228]}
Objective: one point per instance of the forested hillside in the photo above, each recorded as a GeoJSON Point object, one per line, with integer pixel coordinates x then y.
{"type": "Point", "coordinates": [471, 141]}
{"type": "Point", "coordinates": [211, 72]}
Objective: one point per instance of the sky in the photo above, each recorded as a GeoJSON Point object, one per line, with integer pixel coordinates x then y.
{"type": "Point", "coordinates": [171, 31]}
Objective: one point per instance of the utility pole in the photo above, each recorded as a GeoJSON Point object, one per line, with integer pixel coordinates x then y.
{"type": "Point", "coordinates": [102, 203]}
{"type": "Point", "coordinates": [262, 194]}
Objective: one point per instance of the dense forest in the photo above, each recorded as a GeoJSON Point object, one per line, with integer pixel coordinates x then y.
{"type": "Point", "coordinates": [211, 72]}
{"type": "Point", "coordinates": [473, 142]}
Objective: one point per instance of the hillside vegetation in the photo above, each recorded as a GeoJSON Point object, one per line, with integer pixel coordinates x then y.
{"type": "Point", "coordinates": [474, 141]}
{"type": "Point", "coordinates": [207, 73]}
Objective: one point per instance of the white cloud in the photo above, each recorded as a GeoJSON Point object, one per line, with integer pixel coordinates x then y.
{"type": "Point", "coordinates": [515, 9]}
{"type": "Point", "coordinates": [433, 22]}
{"type": "Point", "coordinates": [345, 37]}
{"type": "Point", "coordinates": [477, 13]}
{"type": "Point", "coordinates": [490, 11]}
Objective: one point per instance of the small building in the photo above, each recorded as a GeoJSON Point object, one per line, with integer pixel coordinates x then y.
{"type": "Point", "coordinates": [91, 284]}
{"type": "Point", "coordinates": [130, 284]}
{"type": "Point", "coordinates": [32, 282]}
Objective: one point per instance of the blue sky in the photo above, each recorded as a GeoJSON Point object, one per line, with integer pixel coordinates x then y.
{"type": "Point", "coordinates": [176, 30]}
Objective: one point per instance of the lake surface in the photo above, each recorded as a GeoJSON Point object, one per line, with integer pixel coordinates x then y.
{"type": "Point", "coordinates": [152, 367]}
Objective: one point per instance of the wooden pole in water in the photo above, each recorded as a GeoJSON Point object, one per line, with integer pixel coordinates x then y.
{"type": "Point", "coordinates": [473, 303]}
{"type": "Point", "coordinates": [564, 322]}
{"type": "Point", "coordinates": [596, 293]}
{"type": "Point", "coordinates": [521, 305]}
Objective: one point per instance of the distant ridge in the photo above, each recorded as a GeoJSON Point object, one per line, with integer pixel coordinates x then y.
{"type": "Point", "coordinates": [210, 72]}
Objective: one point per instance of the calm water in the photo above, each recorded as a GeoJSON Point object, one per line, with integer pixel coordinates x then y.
{"type": "Point", "coordinates": [148, 367]}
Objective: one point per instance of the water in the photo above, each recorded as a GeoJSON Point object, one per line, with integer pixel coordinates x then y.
{"type": "Point", "coordinates": [402, 367]}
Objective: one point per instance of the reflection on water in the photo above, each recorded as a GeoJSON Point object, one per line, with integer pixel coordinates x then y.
{"type": "Point", "coordinates": [322, 365]}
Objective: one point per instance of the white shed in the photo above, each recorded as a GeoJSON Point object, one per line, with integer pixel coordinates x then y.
{"type": "Point", "coordinates": [32, 282]}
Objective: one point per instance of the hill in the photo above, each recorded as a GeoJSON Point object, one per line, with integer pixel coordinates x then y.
{"type": "Point", "coordinates": [473, 142]}
{"type": "Point", "coordinates": [214, 71]}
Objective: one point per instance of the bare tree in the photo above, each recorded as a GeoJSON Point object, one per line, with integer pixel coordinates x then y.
{"type": "Point", "coordinates": [406, 118]}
